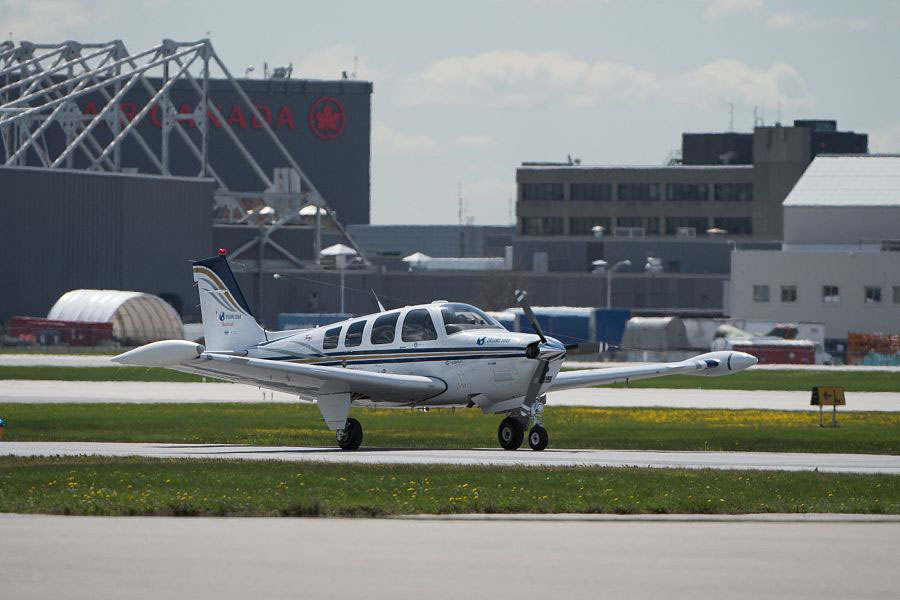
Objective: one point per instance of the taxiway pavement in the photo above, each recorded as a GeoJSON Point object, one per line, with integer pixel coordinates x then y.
{"type": "Point", "coordinates": [780, 461]}
{"type": "Point", "coordinates": [159, 557]}
{"type": "Point", "coordinates": [41, 391]}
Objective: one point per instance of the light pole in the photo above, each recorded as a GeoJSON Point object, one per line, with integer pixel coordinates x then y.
{"type": "Point", "coordinates": [609, 273]}
{"type": "Point", "coordinates": [600, 266]}
{"type": "Point", "coordinates": [340, 252]}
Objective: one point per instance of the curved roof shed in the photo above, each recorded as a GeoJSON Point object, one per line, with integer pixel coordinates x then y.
{"type": "Point", "coordinates": [136, 317]}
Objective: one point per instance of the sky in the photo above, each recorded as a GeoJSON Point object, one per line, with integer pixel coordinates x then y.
{"type": "Point", "coordinates": [465, 91]}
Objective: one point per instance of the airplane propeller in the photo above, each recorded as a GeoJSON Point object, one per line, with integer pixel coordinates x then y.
{"type": "Point", "coordinates": [540, 371]}
{"type": "Point", "coordinates": [520, 298]}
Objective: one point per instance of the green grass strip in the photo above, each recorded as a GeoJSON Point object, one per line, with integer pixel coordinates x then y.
{"type": "Point", "coordinates": [569, 427]}
{"type": "Point", "coordinates": [138, 486]}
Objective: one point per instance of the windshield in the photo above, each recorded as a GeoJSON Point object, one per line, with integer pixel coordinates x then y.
{"type": "Point", "coordinates": [460, 317]}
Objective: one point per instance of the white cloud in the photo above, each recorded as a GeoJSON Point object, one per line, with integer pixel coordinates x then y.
{"type": "Point", "coordinates": [388, 141]}
{"type": "Point", "coordinates": [474, 142]}
{"type": "Point", "coordinates": [331, 62]}
{"type": "Point", "coordinates": [802, 21]}
{"type": "Point", "coordinates": [728, 80]}
{"type": "Point", "coordinates": [44, 20]}
{"type": "Point", "coordinates": [885, 140]}
{"type": "Point", "coordinates": [505, 79]}
{"type": "Point", "coordinates": [716, 9]}
{"type": "Point", "coordinates": [518, 79]}
{"type": "Point", "coordinates": [486, 199]}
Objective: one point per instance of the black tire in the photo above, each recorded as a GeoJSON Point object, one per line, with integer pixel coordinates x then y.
{"type": "Point", "coordinates": [538, 438]}
{"type": "Point", "coordinates": [510, 433]}
{"type": "Point", "coordinates": [351, 436]}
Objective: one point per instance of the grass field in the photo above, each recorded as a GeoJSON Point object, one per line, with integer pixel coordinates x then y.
{"type": "Point", "coordinates": [796, 380]}
{"type": "Point", "coordinates": [569, 427]}
{"type": "Point", "coordinates": [134, 486]}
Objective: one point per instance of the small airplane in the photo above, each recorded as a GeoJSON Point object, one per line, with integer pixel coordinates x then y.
{"type": "Point", "coordinates": [440, 354]}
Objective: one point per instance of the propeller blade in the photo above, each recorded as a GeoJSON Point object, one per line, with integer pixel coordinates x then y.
{"type": "Point", "coordinates": [537, 380]}
{"type": "Point", "coordinates": [520, 298]}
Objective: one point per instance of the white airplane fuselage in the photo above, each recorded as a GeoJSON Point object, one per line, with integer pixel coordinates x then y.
{"type": "Point", "coordinates": [477, 366]}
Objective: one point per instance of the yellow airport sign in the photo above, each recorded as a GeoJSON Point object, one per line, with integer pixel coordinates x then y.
{"type": "Point", "coordinates": [828, 396]}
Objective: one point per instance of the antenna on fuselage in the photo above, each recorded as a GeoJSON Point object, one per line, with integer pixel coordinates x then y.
{"type": "Point", "coordinates": [381, 307]}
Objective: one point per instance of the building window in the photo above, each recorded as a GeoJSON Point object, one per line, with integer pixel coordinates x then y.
{"type": "Point", "coordinates": [542, 225]}
{"type": "Point", "coordinates": [687, 191]}
{"type": "Point", "coordinates": [789, 293]}
{"type": "Point", "coordinates": [896, 289]}
{"type": "Point", "coordinates": [831, 294]}
{"type": "Point", "coordinates": [638, 191]}
{"type": "Point", "coordinates": [873, 294]}
{"type": "Point", "coordinates": [629, 222]}
{"type": "Point", "coordinates": [652, 225]}
{"type": "Point", "coordinates": [699, 224]}
{"type": "Point", "coordinates": [591, 191]}
{"type": "Point", "coordinates": [735, 225]}
{"type": "Point", "coordinates": [584, 225]}
{"type": "Point", "coordinates": [542, 191]}
{"type": "Point", "coordinates": [760, 293]}
{"type": "Point", "coordinates": [734, 192]}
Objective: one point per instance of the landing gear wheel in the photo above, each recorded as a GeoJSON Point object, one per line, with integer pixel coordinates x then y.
{"type": "Point", "coordinates": [350, 437]}
{"type": "Point", "coordinates": [510, 433]}
{"type": "Point", "coordinates": [538, 438]}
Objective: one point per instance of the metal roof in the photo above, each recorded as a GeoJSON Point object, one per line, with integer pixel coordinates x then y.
{"type": "Point", "coordinates": [136, 317]}
{"type": "Point", "coordinates": [849, 180]}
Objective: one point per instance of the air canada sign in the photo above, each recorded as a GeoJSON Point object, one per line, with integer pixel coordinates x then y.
{"type": "Point", "coordinates": [326, 116]}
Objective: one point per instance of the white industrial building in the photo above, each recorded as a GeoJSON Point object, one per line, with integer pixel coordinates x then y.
{"type": "Point", "coordinates": [840, 260]}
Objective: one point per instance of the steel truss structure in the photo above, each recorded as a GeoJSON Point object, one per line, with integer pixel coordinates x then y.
{"type": "Point", "coordinates": [39, 86]}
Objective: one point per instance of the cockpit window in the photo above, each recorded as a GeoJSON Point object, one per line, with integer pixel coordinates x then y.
{"type": "Point", "coordinates": [460, 317]}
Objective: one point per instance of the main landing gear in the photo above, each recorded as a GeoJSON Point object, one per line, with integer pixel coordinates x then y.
{"type": "Point", "coordinates": [511, 432]}
{"type": "Point", "coordinates": [350, 437]}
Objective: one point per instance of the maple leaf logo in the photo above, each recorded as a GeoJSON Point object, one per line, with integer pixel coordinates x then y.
{"type": "Point", "coordinates": [327, 118]}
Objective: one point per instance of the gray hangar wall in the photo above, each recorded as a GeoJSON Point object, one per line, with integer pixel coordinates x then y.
{"type": "Point", "coordinates": [324, 125]}
{"type": "Point", "coordinates": [64, 230]}
{"type": "Point", "coordinates": [490, 290]}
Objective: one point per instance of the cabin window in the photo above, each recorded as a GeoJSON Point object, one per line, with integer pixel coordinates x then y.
{"type": "Point", "coordinates": [331, 338]}
{"type": "Point", "coordinates": [418, 326]}
{"type": "Point", "coordinates": [354, 334]}
{"type": "Point", "coordinates": [383, 329]}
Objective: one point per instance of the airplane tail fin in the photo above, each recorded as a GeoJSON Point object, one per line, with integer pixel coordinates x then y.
{"type": "Point", "coordinates": [228, 323]}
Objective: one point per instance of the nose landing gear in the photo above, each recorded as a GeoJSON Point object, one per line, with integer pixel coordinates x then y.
{"type": "Point", "coordinates": [511, 432]}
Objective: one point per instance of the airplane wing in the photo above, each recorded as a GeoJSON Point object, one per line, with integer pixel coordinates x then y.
{"type": "Point", "coordinates": [310, 381]}
{"type": "Point", "coordinates": [710, 364]}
